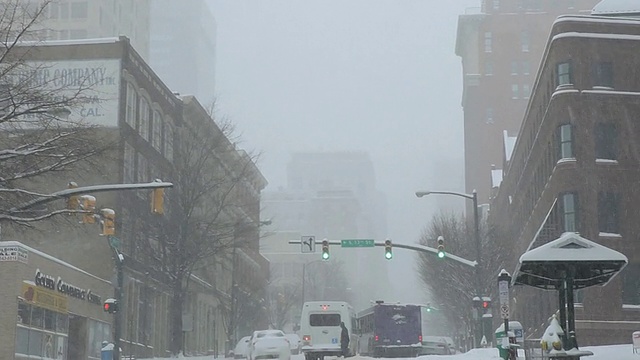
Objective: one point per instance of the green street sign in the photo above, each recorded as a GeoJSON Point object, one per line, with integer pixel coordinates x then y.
{"type": "Point", "coordinates": [351, 243]}
{"type": "Point", "coordinates": [114, 242]}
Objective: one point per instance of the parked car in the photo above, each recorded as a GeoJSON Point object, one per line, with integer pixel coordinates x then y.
{"type": "Point", "coordinates": [240, 351]}
{"type": "Point", "coordinates": [295, 343]}
{"type": "Point", "coordinates": [269, 344]}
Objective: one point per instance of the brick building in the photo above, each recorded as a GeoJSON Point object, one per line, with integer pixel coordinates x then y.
{"type": "Point", "coordinates": [144, 122]}
{"type": "Point", "coordinates": [575, 168]}
{"type": "Point", "coordinates": [500, 44]}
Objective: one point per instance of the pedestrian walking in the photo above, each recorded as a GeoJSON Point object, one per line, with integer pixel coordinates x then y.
{"type": "Point", "coordinates": [344, 340]}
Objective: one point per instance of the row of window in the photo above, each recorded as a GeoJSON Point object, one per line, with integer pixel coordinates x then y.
{"type": "Point", "coordinates": [64, 10]}
{"type": "Point", "coordinates": [517, 67]}
{"type": "Point", "coordinates": [602, 73]}
{"type": "Point", "coordinates": [149, 122]}
{"type": "Point", "coordinates": [525, 41]}
{"type": "Point", "coordinates": [606, 139]}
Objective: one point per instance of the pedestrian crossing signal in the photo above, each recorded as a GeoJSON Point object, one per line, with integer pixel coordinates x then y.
{"type": "Point", "coordinates": [325, 250]}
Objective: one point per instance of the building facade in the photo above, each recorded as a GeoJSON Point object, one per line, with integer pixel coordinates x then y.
{"type": "Point", "coordinates": [573, 168]}
{"type": "Point", "coordinates": [144, 122]}
{"type": "Point", "coordinates": [500, 45]}
{"type": "Point", "coordinates": [69, 20]}
{"type": "Point", "coordinates": [187, 67]}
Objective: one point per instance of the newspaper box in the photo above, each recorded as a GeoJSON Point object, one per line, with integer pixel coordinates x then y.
{"type": "Point", "coordinates": [636, 341]}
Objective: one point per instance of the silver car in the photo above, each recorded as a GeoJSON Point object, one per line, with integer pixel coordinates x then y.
{"type": "Point", "coordinates": [269, 344]}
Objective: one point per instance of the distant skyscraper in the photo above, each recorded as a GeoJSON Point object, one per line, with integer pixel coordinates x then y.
{"type": "Point", "coordinates": [501, 45]}
{"type": "Point", "coordinates": [333, 195]}
{"type": "Point", "coordinates": [183, 46]}
{"type": "Point", "coordinates": [69, 20]}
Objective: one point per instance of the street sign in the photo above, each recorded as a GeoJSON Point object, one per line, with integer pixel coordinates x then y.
{"type": "Point", "coordinates": [308, 244]}
{"type": "Point", "coordinates": [350, 243]}
{"type": "Point", "coordinates": [503, 291]}
{"type": "Point", "coordinates": [114, 242]}
{"type": "Point", "coordinates": [504, 311]}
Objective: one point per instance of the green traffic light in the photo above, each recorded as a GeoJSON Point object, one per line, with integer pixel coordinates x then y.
{"type": "Point", "coordinates": [441, 254]}
{"type": "Point", "coordinates": [428, 309]}
{"type": "Point", "coordinates": [388, 255]}
{"type": "Point", "coordinates": [325, 256]}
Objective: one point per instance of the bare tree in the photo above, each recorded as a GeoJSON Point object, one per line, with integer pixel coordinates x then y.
{"type": "Point", "coordinates": [38, 138]}
{"type": "Point", "coordinates": [282, 301]}
{"type": "Point", "coordinates": [210, 212]}
{"type": "Point", "coordinates": [451, 284]}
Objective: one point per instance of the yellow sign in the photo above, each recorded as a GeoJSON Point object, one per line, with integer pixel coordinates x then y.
{"type": "Point", "coordinates": [44, 298]}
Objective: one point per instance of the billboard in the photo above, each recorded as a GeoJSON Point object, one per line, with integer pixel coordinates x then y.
{"type": "Point", "coordinates": [94, 84]}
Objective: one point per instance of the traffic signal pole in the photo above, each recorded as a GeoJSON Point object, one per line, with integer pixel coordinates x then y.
{"type": "Point", "coordinates": [420, 248]}
{"type": "Point", "coordinates": [117, 294]}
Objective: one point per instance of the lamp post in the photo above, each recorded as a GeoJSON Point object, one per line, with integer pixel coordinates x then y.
{"type": "Point", "coordinates": [473, 197]}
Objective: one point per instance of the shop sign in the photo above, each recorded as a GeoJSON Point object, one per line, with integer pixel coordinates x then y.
{"type": "Point", "coordinates": [44, 298]}
{"type": "Point", "coordinates": [65, 288]}
{"type": "Point", "coordinates": [14, 253]}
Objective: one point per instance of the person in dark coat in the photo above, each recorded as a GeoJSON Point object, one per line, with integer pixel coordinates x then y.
{"type": "Point", "coordinates": [344, 340]}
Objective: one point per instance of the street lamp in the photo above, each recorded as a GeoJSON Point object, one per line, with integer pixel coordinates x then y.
{"type": "Point", "coordinates": [476, 220]}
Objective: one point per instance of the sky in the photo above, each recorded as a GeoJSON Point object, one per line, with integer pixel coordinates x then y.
{"type": "Point", "coordinates": [379, 76]}
{"type": "Point", "coordinates": [618, 352]}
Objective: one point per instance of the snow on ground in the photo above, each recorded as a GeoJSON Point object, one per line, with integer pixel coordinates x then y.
{"type": "Point", "coordinates": [617, 352]}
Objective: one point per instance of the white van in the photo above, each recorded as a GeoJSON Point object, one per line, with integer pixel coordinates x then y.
{"type": "Point", "coordinates": [320, 328]}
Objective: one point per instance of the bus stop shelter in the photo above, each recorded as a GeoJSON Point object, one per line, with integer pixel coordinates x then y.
{"type": "Point", "coordinates": [568, 263]}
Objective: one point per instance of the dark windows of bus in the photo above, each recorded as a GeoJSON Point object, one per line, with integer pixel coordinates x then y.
{"type": "Point", "coordinates": [324, 319]}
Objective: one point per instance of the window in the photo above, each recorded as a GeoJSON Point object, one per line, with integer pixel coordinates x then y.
{"type": "Point", "coordinates": [603, 74]}
{"type": "Point", "coordinates": [129, 163]}
{"type": "Point", "coordinates": [631, 284]}
{"type": "Point", "coordinates": [526, 91]}
{"type": "Point", "coordinates": [526, 67]}
{"type": "Point", "coordinates": [569, 209]}
{"type": "Point", "coordinates": [606, 136]}
{"type": "Point", "coordinates": [79, 10]}
{"type": "Point", "coordinates": [515, 92]}
{"type": "Point", "coordinates": [564, 73]}
{"type": "Point", "coordinates": [144, 119]}
{"type": "Point", "coordinates": [324, 319]}
{"type": "Point", "coordinates": [524, 40]}
{"type": "Point", "coordinates": [565, 148]}
{"type": "Point", "coordinates": [488, 67]}
{"type": "Point", "coordinates": [168, 140]}
{"type": "Point", "coordinates": [142, 173]}
{"type": "Point", "coordinates": [514, 68]}
{"type": "Point", "coordinates": [132, 98]}
{"type": "Point", "coordinates": [487, 42]}
{"type": "Point", "coordinates": [53, 10]}
{"type": "Point", "coordinates": [489, 115]}
{"type": "Point", "coordinates": [496, 4]}
{"type": "Point", "coordinates": [157, 130]}
{"type": "Point", "coordinates": [64, 10]}
{"type": "Point", "coordinates": [608, 212]}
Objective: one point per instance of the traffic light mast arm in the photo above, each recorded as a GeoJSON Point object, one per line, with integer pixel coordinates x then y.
{"type": "Point", "coordinates": [88, 190]}
{"type": "Point", "coordinates": [416, 247]}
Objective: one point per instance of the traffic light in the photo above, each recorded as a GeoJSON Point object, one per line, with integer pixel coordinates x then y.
{"type": "Point", "coordinates": [441, 253]}
{"type": "Point", "coordinates": [88, 204]}
{"type": "Point", "coordinates": [325, 250]}
{"type": "Point", "coordinates": [73, 202]}
{"type": "Point", "coordinates": [157, 201]}
{"type": "Point", "coordinates": [388, 251]}
{"type": "Point", "coordinates": [108, 222]}
{"type": "Point", "coordinates": [110, 305]}
{"type": "Point", "coordinates": [486, 304]}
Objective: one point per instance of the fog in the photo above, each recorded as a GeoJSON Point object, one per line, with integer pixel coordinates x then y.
{"type": "Point", "coordinates": [378, 76]}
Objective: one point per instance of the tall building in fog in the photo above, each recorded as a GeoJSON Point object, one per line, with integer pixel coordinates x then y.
{"type": "Point", "coordinates": [183, 46]}
{"type": "Point", "coordinates": [333, 195]}
{"type": "Point", "coordinates": [70, 20]}
{"type": "Point", "coordinates": [501, 45]}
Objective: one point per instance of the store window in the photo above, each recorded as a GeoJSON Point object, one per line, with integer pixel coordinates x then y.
{"type": "Point", "coordinates": [40, 333]}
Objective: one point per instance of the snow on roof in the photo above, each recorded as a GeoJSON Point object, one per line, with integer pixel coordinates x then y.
{"type": "Point", "coordinates": [51, 258]}
{"type": "Point", "coordinates": [572, 247]}
{"type": "Point", "coordinates": [509, 144]}
{"type": "Point", "coordinates": [618, 7]}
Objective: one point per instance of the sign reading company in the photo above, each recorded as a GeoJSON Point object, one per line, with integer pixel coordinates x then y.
{"type": "Point", "coordinates": [65, 288]}
{"type": "Point", "coordinates": [91, 88]}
